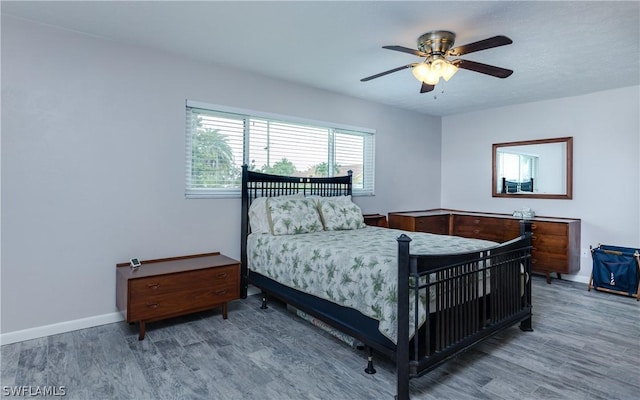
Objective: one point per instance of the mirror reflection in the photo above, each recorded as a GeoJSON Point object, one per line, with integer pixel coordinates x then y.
{"type": "Point", "coordinates": [535, 168]}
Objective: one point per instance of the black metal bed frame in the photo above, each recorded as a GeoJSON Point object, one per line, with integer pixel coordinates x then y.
{"type": "Point", "coordinates": [477, 294]}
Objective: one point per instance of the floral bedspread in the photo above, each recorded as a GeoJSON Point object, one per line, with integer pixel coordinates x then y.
{"type": "Point", "coordinates": [354, 268]}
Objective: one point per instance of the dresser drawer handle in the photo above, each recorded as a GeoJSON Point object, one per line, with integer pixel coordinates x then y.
{"type": "Point", "coordinates": [534, 261]}
{"type": "Point", "coordinates": [221, 292]}
{"type": "Point", "coordinates": [153, 305]}
{"type": "Point", "coordinates": [476, 221]}
{"type": "Point", "coordinates": [533, 226]}
{"type": "Point", "coordinates": [153, 285]}
{"type": "Point", "coordinates": [476, 231]}
{"type": "Point", "coordinates": [222, 275]}
{"type": "Point", "coordinates": [533, 237]}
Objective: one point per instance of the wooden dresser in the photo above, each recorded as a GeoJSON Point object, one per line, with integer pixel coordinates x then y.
{"type": "Point", "coordinates": [555, 241]}
{"type": "Point", "coordinates": [170, 287]}
{"type": "Point", "coordinates": [375, 220]}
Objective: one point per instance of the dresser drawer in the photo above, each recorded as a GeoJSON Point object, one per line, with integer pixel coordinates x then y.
{"type": "Point", "coordinates": [495, 229]}
{"type": "Point", "coordinates": [549, 244]}
{"type": "Point", "coordinates": [549, 228]}
{"type": "Point", "coordinates": [191, 280]}
{"type": "Point", "coordinates": [438, 224]}
{"type": "Point", "coordinates": [543, 262]}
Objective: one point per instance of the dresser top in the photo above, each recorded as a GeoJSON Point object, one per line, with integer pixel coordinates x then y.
{"type": "Point", "coordinates": [175, 265]}
{"type": "Point", "coordinates": [446, 211]}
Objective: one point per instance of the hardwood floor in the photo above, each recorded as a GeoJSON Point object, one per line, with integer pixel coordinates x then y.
{"type": "Point", "coordinates": [585, 345]}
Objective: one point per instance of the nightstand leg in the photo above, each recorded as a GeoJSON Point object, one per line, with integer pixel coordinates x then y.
{"type": "Point", "coordinates": [141, 332]}
{"type": "Point", "coordinates": [224, 311]}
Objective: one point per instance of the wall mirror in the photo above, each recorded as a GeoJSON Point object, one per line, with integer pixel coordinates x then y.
{"type": "Point", "coordinates": [540, 169]}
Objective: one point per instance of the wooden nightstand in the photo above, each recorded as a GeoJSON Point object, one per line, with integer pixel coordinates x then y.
{"type": "Point", "coordinates": [170, 287]}
{"type": "Point", "coordinates": [375, 220]}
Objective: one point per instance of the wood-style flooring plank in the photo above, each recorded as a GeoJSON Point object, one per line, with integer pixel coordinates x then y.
{"type": "Point", "coordinates": [585, 345]}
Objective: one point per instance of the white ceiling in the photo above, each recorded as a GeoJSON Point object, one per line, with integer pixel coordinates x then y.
{"type": "Point", "coordinates": [559, 49]}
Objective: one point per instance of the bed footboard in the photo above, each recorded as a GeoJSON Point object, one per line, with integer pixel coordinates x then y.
{"type": "Point", "coordinates": [473, 296]}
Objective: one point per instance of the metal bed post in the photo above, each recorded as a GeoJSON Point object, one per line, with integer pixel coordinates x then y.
{"type": "Point", "coordinates": [244, 231]}
{"type": "Point", "coordinates": [402, 341]}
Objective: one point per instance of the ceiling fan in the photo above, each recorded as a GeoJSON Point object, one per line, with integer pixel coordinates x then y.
{"type": "Point", "coordinates": [436, 47]}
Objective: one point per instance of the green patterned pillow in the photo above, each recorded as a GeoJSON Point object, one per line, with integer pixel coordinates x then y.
{"type": "Point", "coordinates": [289, 216]}
{"type": "Point", "coordinates": [258, 217]}
{"type": "Point", "coordinates": [340, 214]}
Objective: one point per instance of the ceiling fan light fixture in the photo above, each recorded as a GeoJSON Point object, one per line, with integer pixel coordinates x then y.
{"type": "Point", "coordinates": [433, 69]}
{"type": "Point", "coordinates": [449, 71]}
{"type": "Point", "coordinates": [421, 71]}
{"type": "Point", "coordinates": [432, 77]}
{"type": "Point", "coordinates": [438, 65]}
{"type": "Point", "coordinates": [425, 72]}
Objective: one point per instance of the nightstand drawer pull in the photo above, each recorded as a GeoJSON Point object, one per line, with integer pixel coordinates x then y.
{"type": "Point", "coordinates": [153, 305]}
{"type": "Point", "coordinates": [221, 292]}
{"type": "Point", "coordinates": [153, 285]}
{"type": "Point", "coordinates": [222, 275]}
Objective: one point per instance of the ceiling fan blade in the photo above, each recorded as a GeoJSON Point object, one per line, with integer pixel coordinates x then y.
{"type": "Point", "coordinates": [426, 87]}
{"type": "Point", "coordinates": [368, 78]}
{"type": "Point", "coordinates": [489, 43]}
{"type": "Point", "coordinates": [406, 50]}
{"type": "Point", "coordinates": [483, 68]}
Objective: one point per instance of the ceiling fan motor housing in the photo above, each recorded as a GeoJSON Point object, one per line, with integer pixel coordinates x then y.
{"type": "Point", "coordinates": [436, 42]}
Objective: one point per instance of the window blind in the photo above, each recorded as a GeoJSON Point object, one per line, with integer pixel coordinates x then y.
{"type": "Point", "coordinates": [219, 142]}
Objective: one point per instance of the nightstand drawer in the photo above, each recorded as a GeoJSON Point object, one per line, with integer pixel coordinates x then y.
{"type": "Point", "coordinates": [152, 307]}
{"type": "Point", "coordinates": [193, 280]}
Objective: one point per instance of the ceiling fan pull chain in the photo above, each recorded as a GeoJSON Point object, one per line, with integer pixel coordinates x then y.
{"type": "Point", "coordinates": [435, 96]}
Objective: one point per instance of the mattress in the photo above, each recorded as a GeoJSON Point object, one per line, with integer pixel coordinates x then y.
{"type": "Point", "coordinates": [353, 268]}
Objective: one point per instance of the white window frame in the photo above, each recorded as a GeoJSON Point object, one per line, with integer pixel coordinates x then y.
{"type": "Point", "coordinates": [333, 128]}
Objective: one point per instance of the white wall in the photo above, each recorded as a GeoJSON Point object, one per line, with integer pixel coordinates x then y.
{"type": "Point", "coordinates": [93, 166]}
{"type": "Point", "coordinates": [606, 162]}
{"type": "Point", "coordinates": [93, 155]}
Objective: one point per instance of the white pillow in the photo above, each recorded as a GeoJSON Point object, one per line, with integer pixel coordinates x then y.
{"type": "Point", "coordinates": [288, 216]}
{"type": "Point", "coordinates": [318, 199]}
{"type": "Point", "coordinates": [340, 213]}
{"type": "Point", "coordinates": [258, 218]}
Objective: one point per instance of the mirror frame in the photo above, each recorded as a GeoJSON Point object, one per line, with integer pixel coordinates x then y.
{"type": "Point", "coordinates": [569, 179]}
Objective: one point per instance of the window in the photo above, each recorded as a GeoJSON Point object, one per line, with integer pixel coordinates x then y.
{"type": "Point", "coordinates": [516, 167]}
{"type": "Point", "coordinates": [220, 140]}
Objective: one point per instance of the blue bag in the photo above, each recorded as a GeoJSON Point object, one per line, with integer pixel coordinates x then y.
{"type": "Point", "coordinates": [616, 269]}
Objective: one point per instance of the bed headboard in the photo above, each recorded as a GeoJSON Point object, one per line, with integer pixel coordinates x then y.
{"type": "Point", "coordinates": [515, 187]}
{"type": "Point", "coordinates": [257, 184]}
